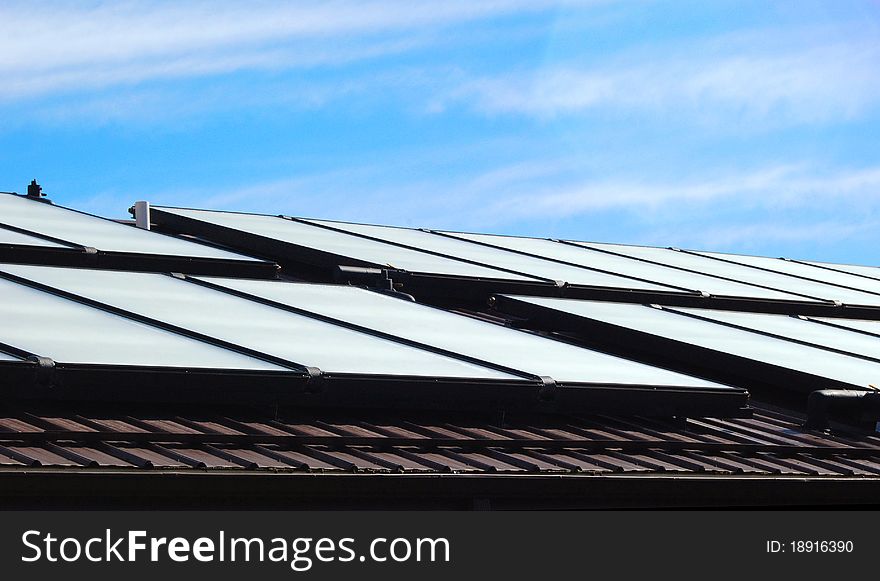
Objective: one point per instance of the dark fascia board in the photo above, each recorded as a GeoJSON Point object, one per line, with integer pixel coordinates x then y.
{"type": "Point", "coordinates": [28, 381]}
{"type": "Point", "coordinates": [153, 489]}
{"type": "Point", "coordinates": [670, 353]}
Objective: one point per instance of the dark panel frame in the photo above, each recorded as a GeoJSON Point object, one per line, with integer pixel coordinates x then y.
{"type": "Point", "coordinates": [28, 381]}
{"type": "Point", "coordinates": [187, 488]}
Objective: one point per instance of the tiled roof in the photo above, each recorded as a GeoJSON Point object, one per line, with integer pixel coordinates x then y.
{"type": "Point", "coordinates": [768, 444]}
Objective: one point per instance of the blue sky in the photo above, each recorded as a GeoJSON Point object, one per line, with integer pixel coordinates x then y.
{"type": "Point", "coordinates": [734, 126]}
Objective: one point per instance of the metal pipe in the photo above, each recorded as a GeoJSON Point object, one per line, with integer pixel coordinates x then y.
{"type": "Point", "coordinates": [823, 401]}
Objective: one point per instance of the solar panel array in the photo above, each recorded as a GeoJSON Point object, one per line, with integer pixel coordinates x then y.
{"type": "Point", "coordinates": [682, 279]}
{"type": "Point", "coordinates": [802, 346]}
{"type": "Point", "coordinates": [578, 269]}
{"type": "Point", "coordinates": [346, 249]}
{"type": "Point", "coordinates": [91, 240]}
{"type": "Point", "coordinates": [480, 339]}
{"type": "Point", "coordinates": [733, 271]}
{"type": "Point", "coordinates": [69, 332]}
{"type": "Point", "coordinates": [595, 341]}
{"type": "Point", "coordinates": [89, 317]}
{"type": "Point", "coordinates": [802, 270]}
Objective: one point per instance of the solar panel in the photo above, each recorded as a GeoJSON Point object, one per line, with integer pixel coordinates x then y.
{"type": "Point", "coordinates": [683, 279]}
{"type": "Point", "coordinates": [670, 325]}
{"type": "Point", "coordinates": [796, 329]}
{"type": "Point", "coordinates": [493, 256]}
{"type": "Point", "coordinates": [85, 230]}
{"type": "Point", "coordinates": [740, 273]}
{"type": "Point", "coordinates": [7, 357]}
{"type": "Point", "coordinates": [69, 332]}
{"type": "Point", "coordinates": [800, 269]}
{"type": "Point", "coordinates": [12, 237]}
{"type": "Point", "coordinates": [872, 327]}
{"type": "Point", "coordinates": [282, 334]}
{"type": "Point", "coordinates": [349, 250]}
{"type": "Point", "coordinates": [475, 338]}
{"type": "Point", "coordinates": [856, 269]}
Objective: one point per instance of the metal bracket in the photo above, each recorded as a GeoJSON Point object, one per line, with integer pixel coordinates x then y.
{"type": "Point", "coordinates": [90, 250]}
{"type": "Point", "coordinates": [315, 380]}
{"type": "Point", "coordinates": [45, 370]}
{"type": "Point", "coordinates": [141, 212]}
{"type": "Point", "coordinates": [547, 391]}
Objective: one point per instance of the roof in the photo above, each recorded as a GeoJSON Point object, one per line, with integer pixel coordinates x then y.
{"type": "Point", "coordinates": [649, 459]}
{"type": "Point", "coordinates": [467, 371]}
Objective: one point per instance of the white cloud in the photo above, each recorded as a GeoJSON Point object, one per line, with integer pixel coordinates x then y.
{"type": "Point", "coordinates": [49, 46]}
{"type": "Point", "coordinates": [537, 192]}
{"type": "Point", "coordinates": [749, 235]}
{"type": "Point", "coordinates": [834, 81]}
{"type": "Point", "coordinates": [783, 186]}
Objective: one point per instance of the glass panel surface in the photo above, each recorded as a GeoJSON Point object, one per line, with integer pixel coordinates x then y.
{"type": "Point", "coordinates": [857, 269]}
{"type": "Point", "coordinates": [795, 328]}
{"type": "Point", "coordinates": [342, 244]}
{"type": "Point", "coordinates": [248, 324]}
{"type": "Point", "coordinates": [627, 266]}
{"type": "Point", "coordinates": [461, 334]}
{"type": "Point", "coordinates": [6, 357]}
{"type": "Point", "coordinates": [711, 335]}
{"type": "Point", "coordinates": [741, 273]}
{"type": "Point", "coordinates": [70, 332]}
{"type": "Point", "coordinates": [494, 256]}
{"type": "Point", "coordinates": [804, 270]}
{"type": "Point", "coordinates": [17, 238]}
{"type": "Point", "coordinates": [857, 324]}
{"type": "Point", "coordinates": [87, 230]}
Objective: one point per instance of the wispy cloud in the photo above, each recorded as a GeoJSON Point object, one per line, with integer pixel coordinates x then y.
{"type": "Point", "coordinates": [796, 83]}
{"type": "Point", "coordinates": [747, 235]}
{"type": "Point", "coordinates": [50, 46]}
{"type": "Point", "coordinates": [783, 186]}
{"type": "Point", "coordinates": [547, 191]}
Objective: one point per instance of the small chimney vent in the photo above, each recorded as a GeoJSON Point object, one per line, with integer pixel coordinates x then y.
{"type": "Point", "coordinates": [35, 190]}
